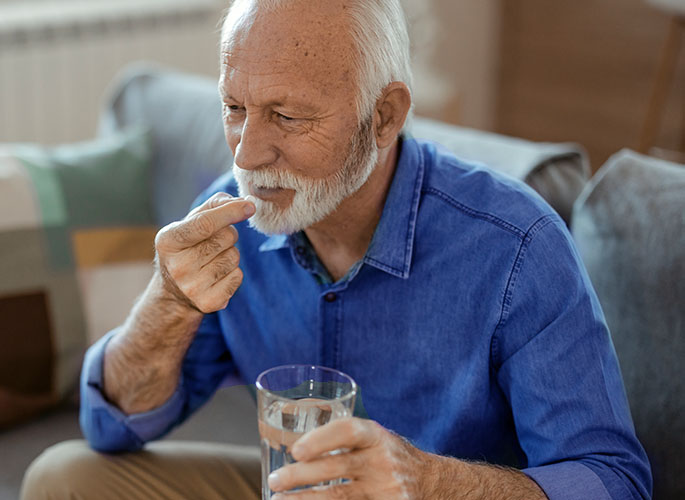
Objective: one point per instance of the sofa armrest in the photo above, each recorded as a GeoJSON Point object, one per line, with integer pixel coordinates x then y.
{"type": "Point", "coordinates": [183, 113]}
{"type": "Point", "coordinates": [557, 171]}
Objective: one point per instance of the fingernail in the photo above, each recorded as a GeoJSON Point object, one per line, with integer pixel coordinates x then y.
{"type": "Point", "coordinates": [278, 496]}
{"type": "Point", "coordinates": [274, 481]}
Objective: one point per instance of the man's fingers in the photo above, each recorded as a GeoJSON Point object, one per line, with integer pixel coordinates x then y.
{"type": "Point", "coordinates": [194, 277]}
{"type": "Point", "coordinates": [213, 201]}
{"type": "Point", "coordinates": [207, 250]}
{"type": "Point", "coordinates": [345, 490]}
{"type": "Point", "coordinates": [348, 465]}
{"type": "Point", "coordinates": [350, 433]}
{"type": "Point", "coordinates": [218, 295]}
{"type": "Point", "coordinates": [222, 265]}
{"type": "Point", "coordinates": [210, 287]}
{"type": "Point", "coordinates": [198, 255]}
{"type": "Point", "coordinates": [202, 225]}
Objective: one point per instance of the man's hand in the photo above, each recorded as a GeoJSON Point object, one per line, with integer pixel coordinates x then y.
{"type": "Point", "coordinates": [198, 273]}
{"type": "Point", "coordinates": [197, 257]}
{"type": "Point", "coordinates": [381, 465]}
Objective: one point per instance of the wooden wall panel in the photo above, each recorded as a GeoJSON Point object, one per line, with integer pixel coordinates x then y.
{"type": "Point", "coordinates": [455, 49]}
{"type": "Point", "coordinates": [582, 71]}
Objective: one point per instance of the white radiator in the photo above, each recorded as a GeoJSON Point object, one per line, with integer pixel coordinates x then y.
{"type": "Point", "coordinates": [57, 57]}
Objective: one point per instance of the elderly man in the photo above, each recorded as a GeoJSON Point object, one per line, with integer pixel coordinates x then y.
{"type": "Point", "coordinates": [452, 295]}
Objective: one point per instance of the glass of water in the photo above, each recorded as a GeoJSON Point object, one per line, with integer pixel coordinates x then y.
{"type": "Point", "coordinates": [292, 400]}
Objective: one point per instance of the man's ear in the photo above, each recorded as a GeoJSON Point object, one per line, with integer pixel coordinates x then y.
{"type": "Point", "coordinates": [390, 113]}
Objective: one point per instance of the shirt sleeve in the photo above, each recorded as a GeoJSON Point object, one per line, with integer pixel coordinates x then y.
{"type": "Point", "coordinates": [108, 429]}
{"type": "Point", "coordinates": [556, 364]}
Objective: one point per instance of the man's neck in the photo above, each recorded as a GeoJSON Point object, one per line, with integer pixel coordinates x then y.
{"type": "Point", "coordinates": [342, 238]}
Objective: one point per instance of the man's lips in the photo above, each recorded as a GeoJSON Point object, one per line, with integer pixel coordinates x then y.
{"type": "Point", "coordinates": [271, 194]}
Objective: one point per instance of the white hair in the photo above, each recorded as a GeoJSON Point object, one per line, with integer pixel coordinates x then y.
{"type": "Point", "coordinates": [379, 32]}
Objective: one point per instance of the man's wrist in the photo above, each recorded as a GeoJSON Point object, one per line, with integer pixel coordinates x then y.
{"type": "Point", "coordinates": [159, 322]}
{"type": "Point", "coordinates": [445, 477]}
{"type": "Point", "coordinates": [438, 476]}
{"type": "Point", "coordinates": [167, 290]}
{"type": "Point", "coordinates": [142, 362]}
{"type": "Point", "coordinates": [163, 292]}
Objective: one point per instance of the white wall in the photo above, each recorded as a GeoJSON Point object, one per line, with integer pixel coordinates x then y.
{"type": "Point", "coordinates": [50, 91]}
{"type": "Point", "coordinates": [55, 68]}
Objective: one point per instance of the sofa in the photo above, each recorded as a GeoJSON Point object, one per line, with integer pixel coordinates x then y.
{"type": "Point", "coordinates": [77, 224]}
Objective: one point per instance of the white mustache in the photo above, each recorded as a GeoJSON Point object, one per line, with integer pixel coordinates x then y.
{"type": "Point", "coordinates": [270, 179]}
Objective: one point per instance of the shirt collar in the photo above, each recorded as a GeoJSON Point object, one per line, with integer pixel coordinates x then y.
{"type": "Point", "coordinates": [392, 244]}
{"type": "Point", "coordinates": [275, 242]}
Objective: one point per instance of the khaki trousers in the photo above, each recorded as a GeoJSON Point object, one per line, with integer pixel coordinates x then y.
{"type": "Point", "coordinates": [163, 470]}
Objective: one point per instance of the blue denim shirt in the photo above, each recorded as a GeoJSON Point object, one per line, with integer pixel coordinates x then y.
{"type": "Point", "coordinates": [470, 325]}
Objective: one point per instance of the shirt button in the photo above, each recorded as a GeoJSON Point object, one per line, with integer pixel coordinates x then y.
{"type": "Point", "coordinates": [300, 250]}
{"type": "Point", "coordinates": [330, 297]}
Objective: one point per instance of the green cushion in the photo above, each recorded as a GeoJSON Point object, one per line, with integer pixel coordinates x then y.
{"type": "Point", "coordinates": [66, 213]}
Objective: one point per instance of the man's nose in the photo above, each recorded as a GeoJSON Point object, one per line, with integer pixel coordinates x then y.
{"type": "Point", "coordinates": [254, 149]}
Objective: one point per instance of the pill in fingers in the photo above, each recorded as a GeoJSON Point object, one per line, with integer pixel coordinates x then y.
{"type": "Point", "coordinates": [251, 207]}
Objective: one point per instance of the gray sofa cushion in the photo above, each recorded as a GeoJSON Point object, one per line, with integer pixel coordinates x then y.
{"type": "Point", "coordinates": [184, 113]}
{"type": "Point", "coordinates": [629, 225]}
{"type": "Point", "coordinates": [558, 172]}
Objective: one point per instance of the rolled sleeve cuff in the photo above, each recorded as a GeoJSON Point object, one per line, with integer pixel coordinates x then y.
{"type": "Point", "coordinates": [146, 425]}
{"type": "Point", "coordinates": [568, 481]}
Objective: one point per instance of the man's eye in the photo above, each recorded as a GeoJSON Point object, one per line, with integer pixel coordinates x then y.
{"type": "Point", "coordinates": [233, 108]}
{"type": "Point", "coordinates": [284, 117]}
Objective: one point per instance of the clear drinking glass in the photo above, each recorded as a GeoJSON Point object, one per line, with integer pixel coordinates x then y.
{"type": "Point", "coordinates": [292, 400]}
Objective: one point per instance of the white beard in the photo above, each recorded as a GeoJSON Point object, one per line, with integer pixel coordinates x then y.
{"type": "Point", "coordinates": [314, 199]}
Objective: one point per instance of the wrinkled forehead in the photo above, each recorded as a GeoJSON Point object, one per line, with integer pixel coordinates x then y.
{"type": "Point", "coordinates": [310, 36]}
